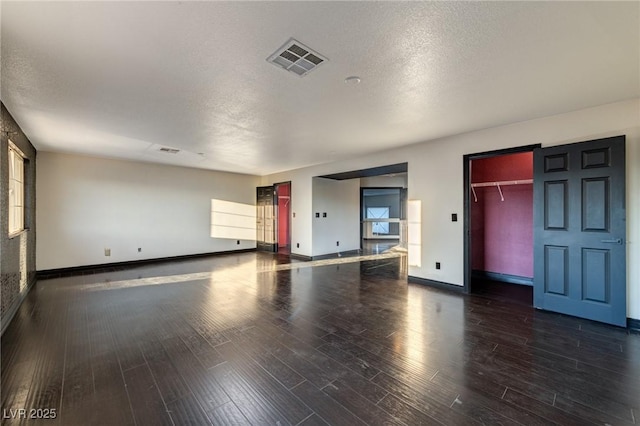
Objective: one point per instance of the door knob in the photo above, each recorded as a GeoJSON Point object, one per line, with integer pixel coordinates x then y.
{"type": "Point", "coordinates": [612, 241]}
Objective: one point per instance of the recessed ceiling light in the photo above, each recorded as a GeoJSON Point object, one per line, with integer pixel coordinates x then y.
{"type": "Point", "coordinates": [352, 80]}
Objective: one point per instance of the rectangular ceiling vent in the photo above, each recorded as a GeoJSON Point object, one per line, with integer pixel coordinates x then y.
{"type": "Point", "coordinates": [169, 150]}
{"type": "Point", "coordinates": [296, 58]}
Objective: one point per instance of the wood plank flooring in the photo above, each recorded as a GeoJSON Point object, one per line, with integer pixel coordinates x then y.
{"type": "Point", "coordinates": [230, 340]}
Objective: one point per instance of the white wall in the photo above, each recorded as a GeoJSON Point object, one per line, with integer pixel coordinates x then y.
{"type": "Point", "coordinates": [341, 201]}
{"type": "Point", "coordinates": [87, 204]}
{"type": "Point", "coordinates": [435, 177]}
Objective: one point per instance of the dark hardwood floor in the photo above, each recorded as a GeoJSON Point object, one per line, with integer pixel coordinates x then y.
{"type": "Point", "coordinates": [501, 291]}
{"type": "Point", "coordinates": [237, 339]}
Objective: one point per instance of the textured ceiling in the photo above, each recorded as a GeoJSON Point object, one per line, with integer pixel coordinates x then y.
{"type": "Point", "coordinates": [122, 79]}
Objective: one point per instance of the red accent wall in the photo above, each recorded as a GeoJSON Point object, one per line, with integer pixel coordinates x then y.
{"type": "Point", "coordinates": [502, 231]}
{"type": "Point", "coordinates": [284, 206]}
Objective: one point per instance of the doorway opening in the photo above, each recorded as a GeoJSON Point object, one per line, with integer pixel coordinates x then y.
{"type": "Point", "coordinates": [380, 224]}
{"type": "Point", "coordinates": [499, 224]}
{"type": "Point", "coordinates": [381, 218]}
{"type": "Point", "coordinates": [273, 216]}
{"type": "Point", "coordinates": [283, 214]}
{"type": "Point", "coordinates": [578, 227]}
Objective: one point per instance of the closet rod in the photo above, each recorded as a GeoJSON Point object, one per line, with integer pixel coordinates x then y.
{"type": "Point", "coordinates": [502, 183]}
{"type": "Point", "coordinates": [497, 184]}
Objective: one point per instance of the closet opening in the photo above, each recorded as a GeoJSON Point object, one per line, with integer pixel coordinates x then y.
{"type": "Point", "coordinates": [499, 224]}
{"type": "Point", "coordinates": [273, 218]}
{"type": "Point", "coordinates": [283, 214]}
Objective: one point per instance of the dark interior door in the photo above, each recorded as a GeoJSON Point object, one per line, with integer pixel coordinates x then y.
{"type": "Point", "coordinates": [265, 218]}
{"type": "Point", "coordinates": [580, 230]}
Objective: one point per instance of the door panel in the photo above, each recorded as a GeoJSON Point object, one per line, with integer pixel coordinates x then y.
{"type": "Point", "coordinates": [555, 202]}
{"type": "Point", "coordinates": [580, 230]}
{"type": "Point", "coordinates": [596, 284]}
{"type": "Point", "coordinates": [556, 260]}
{"type": "Point", "coordinates": [595, 204]}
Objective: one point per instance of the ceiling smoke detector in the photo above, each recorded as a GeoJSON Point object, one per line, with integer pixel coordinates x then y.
{"type": "Point", "coordinates": [169, 150]}
{"type": "Point", "coordinates": [297, 58]}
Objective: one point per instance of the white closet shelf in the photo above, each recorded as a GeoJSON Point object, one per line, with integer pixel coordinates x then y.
{"type": "Point", "coordinates": [502, 183]}
{"type": "Point", "coordinates": [498, 184]}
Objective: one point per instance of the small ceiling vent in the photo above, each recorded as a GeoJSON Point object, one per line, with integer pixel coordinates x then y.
{"type": "Point", "coordinates": [296, 58]}
{"type": "Point", "coordinates": [169, 150]}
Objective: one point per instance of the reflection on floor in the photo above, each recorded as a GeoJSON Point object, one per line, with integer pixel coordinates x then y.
{"type": "Point", "coordinates": [378, 246]}
{"type": "Point", "coordinates": [260, 268]}
{"type": "Point", "coordinates": [285, 250]}
{"type": "Point", "coordinates": [237, 339]}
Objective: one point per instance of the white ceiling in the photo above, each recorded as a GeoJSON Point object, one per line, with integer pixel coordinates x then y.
{"type": "Point", "coordinates": [122, 79]}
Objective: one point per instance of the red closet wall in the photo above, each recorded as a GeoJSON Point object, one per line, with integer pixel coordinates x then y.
{"type": "Point", "coordinates": [284, 194]}
{"type": "Point", "coordinates": [502, 231]}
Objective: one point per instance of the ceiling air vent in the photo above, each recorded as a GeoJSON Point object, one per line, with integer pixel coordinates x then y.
{"type": "Point", "coordinates": [296, 58]}
{"type": "Point", "coordinates": [169, 150]}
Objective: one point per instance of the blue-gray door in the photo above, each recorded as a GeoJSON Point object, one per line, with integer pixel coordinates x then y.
{"type": "Point", "coordinates": [580, 230]}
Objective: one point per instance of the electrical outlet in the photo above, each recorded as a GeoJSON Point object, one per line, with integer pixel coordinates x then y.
{"type": "Point", "coordinates": [324, 214]}
{"type": "Point", "coordinates": [238, 242]}
{"type": "Point", "coordinates": [337, 243]}
{"type": "Point", "coordinates": [297, 245]}
{"type": "Point", "coordinates": [107, 252]}
{"type": "Point", "coordinates": [437, 265]}
{"type": "Point", "coordinates": [454, 217]}
{"type": "Point", "coordinates": [139, 249]}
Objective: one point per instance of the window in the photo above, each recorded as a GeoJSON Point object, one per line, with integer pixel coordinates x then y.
{"type": "Point", "coordinates": [379, 213]}
{"type": "Point", "coordinates": [16, 190]}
